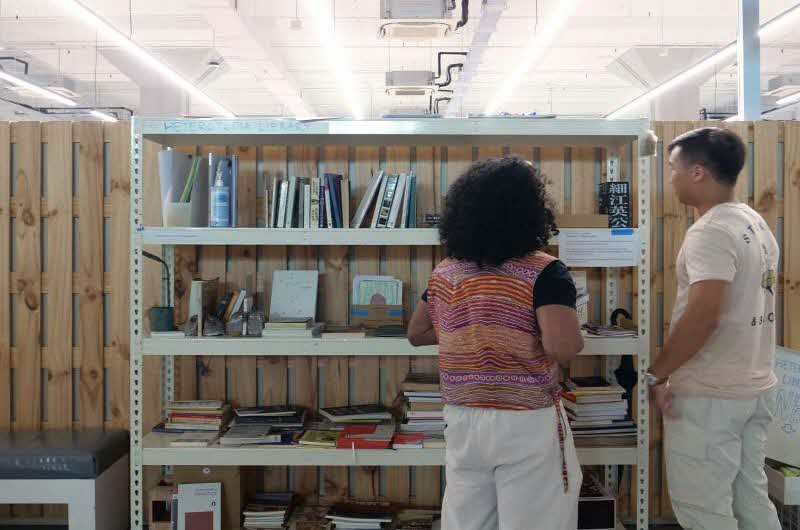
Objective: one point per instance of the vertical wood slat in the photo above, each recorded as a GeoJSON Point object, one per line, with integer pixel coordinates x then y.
{"type": "Point", "coordinates": [274, 369]}
{"type": "Point", "coordinates": [90, 185]}
{"type": "Point", "coordinates": [304, 161]}
{"type": "Point", "coordinates": [185, 269]}
{"type": "Point", "coordinates": [118, 135]}
{"type": "Point", "coordinates": [745, 131]}
{"type": "Point", "coordinates": [366, 370]}
{"type": "Point", "coordinates": [398, 264]}
{"type": "Point", "coordinates": [334, 297]}
{"type": "Point", "coordinates": [5, 278]}
{"type": "Point", "coordinates": [791, 241]}
{"type": "Point", "coordinates": [58, 359]}
{"type": "Point", "coordinates": [242, 274]}
{"type": "Point", "coordinates": [551, 165]}
{"type": "Point", "coordinates": [765, 191]}
{"type": "Point", "coordinates": [212, 264]}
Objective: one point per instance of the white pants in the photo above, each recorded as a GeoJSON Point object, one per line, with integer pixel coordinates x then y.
{"type": "Point", "coordinates": [503, 471]}
{"type": "Point", "coordinates": [715, 463]}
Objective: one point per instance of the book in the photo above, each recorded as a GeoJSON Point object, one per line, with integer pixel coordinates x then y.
{"type": "Point", "coordinates": [222, 306]}
{"type": "Point", "coordinates": [581, 409]}
{"type": "Point", "coordinates": [592, 384]}
{"type": "Point", "coordinates": [315, 218]}
{"type": "Point", "coordinates": [366, 437]}
{"type": "Point", "coordinates": [316, 438]}
{"type": "Point", "coordinates": [589, 398]}
{"type": "Point", "coordinates": [397, 200]}
{"type": "Point", "coordinates": [231, 303]}
{"type": "Point", "coordinates": [408, 440]}
{"type": "Point", "coordinates": [334, 181]}
{"type": "Point", "coordinates": [200, 506]}
{"type": "Point", "coordinates": [379, 200]}
{"type": "Point", "coordinates": [366, 512]}
{"type": "Point", "coordinates": [167, 334]}
{"type": "Point", "coordinates": [329, 222]}
{"type": "Point", "coordinates": [434, 440]}
{"type": "Point", "coordinates": [295, 421]}
{"type": "Point", "coordinates": [406, 199]}
{"type": "Point", "coordinates": [314, 331]}
{"type": "Point", "coordinates": [294, 294]}
{"type": "Point", "coordinates": [306, 206]}
{"type": "Point", "coordinates": [195, 439]}
{"type": "Point", "coordinates": [268, 411]}
{"type": "Point", "coordinates": [425, 407]}
{"type": "Point", "coordinates": [241, 434]}
{"type": "Point", "coordinates": [416, 383]}
{"type": "Point", "coordinates": [209, 404]}
{"type": "Point", "coordinates": [345, 196]}
{"type": "Point", "coordinates": [291, 203]}
{"type": "Point", "coordinates": [282, 204]}
{"type": "Point", "coordinates": [289, 323]}
{"type": "Point", "coordinates": [367, 200]}
{"type": "Point", "coordinates": [385, 210]}
{"type": "Point", "coordinates": [596, 416]}
{"type": "Point", "coordinates": [356, 412]}
{"type": "Point", "coordinates": [300, 210]}
{"type": "Point", "coordinates": [601, 423]}
{"type": "Point", "coordinates": [202, 297]}
{"type": "Point", "coordinates": [273, 211]}
{"type": "Point", "coordinates": [425, 415]}
{"type": "Point", "coordinates": [323, 217]}
{"type": "Point", "coordinates": [412, 202]}
{"type": "Point", "coordinates": [190, 427]}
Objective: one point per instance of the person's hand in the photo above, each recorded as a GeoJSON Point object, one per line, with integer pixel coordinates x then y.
{"type": "Point", "coordinates": [662, 395]}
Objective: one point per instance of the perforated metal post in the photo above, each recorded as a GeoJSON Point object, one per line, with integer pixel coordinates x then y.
{"type": "Point", "coordinates": [136, 321]}
{"type": "Point", "coordinates": [611, 362]}
{"type": "Point", "coordinates": [643, 417]}
{"type": "Point", "coordinates": [168, 361]}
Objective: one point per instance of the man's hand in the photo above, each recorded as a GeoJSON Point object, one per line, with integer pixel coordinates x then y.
{"type": "Point", "coordinates": [662, 394]}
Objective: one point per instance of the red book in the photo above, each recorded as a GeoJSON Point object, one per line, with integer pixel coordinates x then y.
{"type": "Point", "coordinates": [362, 443]}
{"type": "Point", "coordinates": [407, 439]}
{"type": "Point", "coordinates": [366, 437]}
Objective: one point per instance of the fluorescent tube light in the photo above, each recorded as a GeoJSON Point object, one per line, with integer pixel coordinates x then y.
{"type": "Point", "coordinates": [335, 54]}
{"type": "Point", "coordinates": [788, 100]}
{"type": "Point", "coordinates": [84, 14]}
{"type": "Point", "coordinates": [103, 116]}
{"type": "Point", "coordinates": [539, 44]}
{"type": "Point", "coordinates": [726, 54]}
{"type": "Point", "coordinates": [39, 91]}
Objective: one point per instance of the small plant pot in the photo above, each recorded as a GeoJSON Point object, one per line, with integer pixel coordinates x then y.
{"type": "Point", "coordinates": [162, 319]}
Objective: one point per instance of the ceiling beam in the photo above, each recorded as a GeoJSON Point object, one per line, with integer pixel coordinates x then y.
{"type": "Point", "coordinates": [235, 30]}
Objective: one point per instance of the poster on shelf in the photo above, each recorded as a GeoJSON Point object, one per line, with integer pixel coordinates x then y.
{"type": "Point", "coordinates": [598, 247]}
{"type": "Point", "coordinates": [784, 434]}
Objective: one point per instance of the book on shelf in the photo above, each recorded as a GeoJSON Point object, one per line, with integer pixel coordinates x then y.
{"type": "Point", "coordinates": [199, 506]}
{"type": "Point", "coordinates": [385, 210]}
{"type": "Point", "coordinates": [291, 202]}
{"type": "Point", "coordinates": [412, 203]}
{"type": "Point", "coordinates": [423, 426]}
{"type": "Point", "coordinates": [319, 438]}
{"type": "Point", "coordinates": [302, 323]}
{"type": "Point", "coordinates": [376, 210]}
{"type": "Point", "coordinates": [256, 434]}
{"type": "Point", "coordinates": [596, 330]}
{"type": "Point", "coordinates": [329, 219]}
{"type": "Point", "coordinates": [195, 439]}
{"type": "Point", "coordinates": [295, 421]}
{"type": "Point", "coordinates": [202, 300]}
{"type": "Point", "coordinates": [406, 210]}
{"type": "Point", "coordinates": [314, 331]}
{"type": "Point", "coordinates": [209, 404]}
{"type": "Point", "coordinates": [591, 398]}
{"type": "Point", "coordinates": [266, 511]}
{"type": "Point", "coordinates": [268, 411]}
{"type": "Point", "coordinates": [601, 423]}
{"type": "Point", "coordinates": [272, 208]}
{"type": "Point", "coordinates": [424, 414]}
{"type": "Point", "coordinates": [425, 407]}
{"type": "Point", "coordinates": [366, 437]}
{"type": "Point", "coordinates": [434, 440]}
{"type": "Point", "coordinates": [282, 204]}
{"type": "Point", "coordinates": [420, 383]}
{"type": "Point", "coordinates": [333, 181]}
{"type": "Point", "coordinates": [307, 206]}
{"type": "Point", "coordinates": [370, 514]}
{"type": "Point", "coordinates": [422, 397]}
{"type": "Point", "coordinates": [585, 409]}
{"type": "Point", "coordinates": [167, 335]}
{"type": "Point", "coordinates": [345, 201]}
{"type": "Point", "coordinates": [315, 203]}
{"type": "Point", "coordinates": [367, 200]}
{"type": "Point", "coordinates": [369, 412]}
{"type": "Point", "coordinates": [294, 294]}
{"type": "Point", "coordinates": [592, 385]}
{"type": "Point", "coordinates": [397, 200]}
{"type": "Point", "coordinates": [408, 440]}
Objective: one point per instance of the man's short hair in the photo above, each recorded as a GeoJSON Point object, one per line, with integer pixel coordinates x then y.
{"type": "Point", "coordinates": [720, 151]}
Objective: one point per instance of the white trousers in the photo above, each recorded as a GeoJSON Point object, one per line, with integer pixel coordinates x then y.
{"type": "Point", "coordinates": [715, 454]}
{"type": "Point", "coordinates": [503, 471]}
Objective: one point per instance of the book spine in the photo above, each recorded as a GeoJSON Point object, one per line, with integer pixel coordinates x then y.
{"type": "Point", "coordinates": [345, 203]}
{"type": "Point", "coordinates": [273, 213]}
{"type": "Point", "coordinates": [366, 200]}
{"type": "Point", "coordinates": [315, 202]}
{"type": "Point", "coordinates": [337, 184]}
{"type": "Point", "coordinates": [336, 214]}
{"type": "Point", "coordinates": [397, 200]}
{"type": "Point", "coordinates": [234, 190]}
{"type": "Point", "coordinates": [386, 206]}
{"type": "Point", "coordinates": [379, 201]}
{"type": "Point", "coordinates": [328, 213]}
{"type": "Point", "coordinates": [306, 206]}
{"type": "Point", "coordinates": [412, 202]}
{"type": "Point", "coordinates": [290, 202]}
{"type": "Point", "coordinates": [323, 209]}
{"type": "Point", "coordinates": [282, 207]}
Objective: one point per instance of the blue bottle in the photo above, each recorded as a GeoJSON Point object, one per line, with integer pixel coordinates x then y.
{"type": "Point", "coordinates": [220, 204]}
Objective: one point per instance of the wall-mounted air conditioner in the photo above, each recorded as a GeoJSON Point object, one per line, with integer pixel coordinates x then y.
{"type": "Point", "coordinates": [413, 20]}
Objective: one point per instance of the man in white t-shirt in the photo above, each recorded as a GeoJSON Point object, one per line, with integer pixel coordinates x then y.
{"type": "Point", "coordinates": [714, 379]}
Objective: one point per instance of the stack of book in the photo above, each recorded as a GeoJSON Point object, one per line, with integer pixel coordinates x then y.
{"type": "Point", "coordinates": [358, 427]}
{"type": "Point", "coordinates": [596, 330]}
{"type": "Point", "coordinates": [360, 515]}
{"type": "Point", "coordinates": [271, 425]}
{"type": "Point", "coordinates": [265, 511]}
{"type": "Point", "coordinates": [423, 405]}
{"type": "Point", "coordinates": [309, 203]}
{"type": "Point", "coordinates": [292, 328]}
{"type": "Point", "coordinates": [418, 519]}
{"type": "Point", "coordinates": [389, 202]}
{"type": "Point", "coordinates": [370, 413]}
{"type": "Point", "coordinates": [595, 408]}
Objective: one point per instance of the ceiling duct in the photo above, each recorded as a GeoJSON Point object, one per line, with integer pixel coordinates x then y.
{"type": "Point", "coordinates": [783, 85]}
{"type": "Point", "coordinates": [410, 83]}
{"type": "Point", "coordinates": [415, 20]}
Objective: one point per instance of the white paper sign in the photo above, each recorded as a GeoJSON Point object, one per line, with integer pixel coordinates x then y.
{"type": "Point", "coordinates": [598, 247]}
{"type": "Point", "coordinates": [784, 434]}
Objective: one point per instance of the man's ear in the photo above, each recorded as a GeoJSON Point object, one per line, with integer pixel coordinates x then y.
{"type": "Point", "coordinates": [698, 173]}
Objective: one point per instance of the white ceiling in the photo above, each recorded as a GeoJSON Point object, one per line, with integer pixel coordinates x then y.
{"type": "Point", "coordinates": [270, 67]}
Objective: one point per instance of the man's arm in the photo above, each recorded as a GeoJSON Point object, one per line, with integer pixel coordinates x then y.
{"type": "Point", "coordinates": [695, 327]}
{"type": "Point", "coordinates": [420, 329]}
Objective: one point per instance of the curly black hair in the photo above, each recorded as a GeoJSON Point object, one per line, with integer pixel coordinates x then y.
{"type": "Point", "coordinates": [496, 211]}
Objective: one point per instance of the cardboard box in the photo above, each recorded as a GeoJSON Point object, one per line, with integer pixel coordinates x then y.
{"type": "Point", "coordinates": [232, 490]}
{"type": "Point", "coordinates": [158, 507]}
{"type": "Point", "coordinates": [372, 316]}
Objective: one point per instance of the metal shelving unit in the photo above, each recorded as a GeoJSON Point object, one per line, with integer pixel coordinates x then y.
{"type": "Point", "coordinates": [155, 450]}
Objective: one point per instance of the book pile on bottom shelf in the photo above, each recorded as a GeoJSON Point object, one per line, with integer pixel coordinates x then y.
{"type": "Point", "coordinates": [265, 511]}
{"type": "Point", "coordinates": [597, 412]}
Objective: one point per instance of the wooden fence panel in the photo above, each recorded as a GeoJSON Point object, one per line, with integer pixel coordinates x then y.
{"type": "Point", "coordinates": [791, 240]}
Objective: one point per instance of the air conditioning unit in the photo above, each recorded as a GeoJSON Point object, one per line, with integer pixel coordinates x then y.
{"type": "Point", "coordinates": [414, 20]}
{"type": "Point", "coordinates": [783, 85]}
{"type": "Point", "coordinates": [410, 82]}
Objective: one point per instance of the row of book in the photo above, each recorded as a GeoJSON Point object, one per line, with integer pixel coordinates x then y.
{"type": "Point", "coordinates": [391, 200]}
{"type": "Point", "coordinates": [296, 202]}
{"type": "Point", "coordinates": [347, 515]}
{"type": "Point", "coordinates": [597, 410]}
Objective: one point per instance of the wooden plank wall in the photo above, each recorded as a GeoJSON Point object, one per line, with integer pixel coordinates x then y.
{"type": "Point", "coordinates": [64, 192]}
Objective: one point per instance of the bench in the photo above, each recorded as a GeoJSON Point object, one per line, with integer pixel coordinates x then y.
{"type": "Point", "coordinates": [86, 470]}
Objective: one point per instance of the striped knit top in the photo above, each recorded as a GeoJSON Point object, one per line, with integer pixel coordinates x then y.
{"type": "Point", "coordinates": [490, 351]}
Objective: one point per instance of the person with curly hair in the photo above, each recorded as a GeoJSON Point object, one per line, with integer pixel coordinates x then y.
{"type": "Point", "coordinates": [503, 314]}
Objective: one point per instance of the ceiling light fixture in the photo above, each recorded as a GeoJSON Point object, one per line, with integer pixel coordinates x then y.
{"type": "Point", "coordinates": [39, 91]}
{"type": "Point", "coordinates": [103, 116]}
{"type": "Point", "coordinates": [335, 54]}
{"type": "Point", "coordinates": [788, 100]}
{"type": "Point", "coordinates": [726, 54]}
{"type": "Point", "coordinates": [539, 44]}
{"type": "Point", "coordinates": [84, 14]}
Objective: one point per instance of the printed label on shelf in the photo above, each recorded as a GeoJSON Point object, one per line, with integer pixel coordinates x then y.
{"type": "Point", "coordinates": [598, 247]}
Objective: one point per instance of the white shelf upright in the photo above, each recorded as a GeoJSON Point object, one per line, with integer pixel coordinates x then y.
{"type": "Point", "coordinates": [155, 450]}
